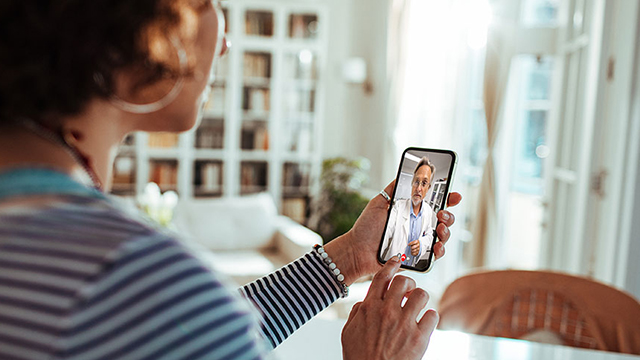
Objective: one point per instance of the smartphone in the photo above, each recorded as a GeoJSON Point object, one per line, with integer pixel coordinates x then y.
{"type": "Point", "coordinates": [422, 189]}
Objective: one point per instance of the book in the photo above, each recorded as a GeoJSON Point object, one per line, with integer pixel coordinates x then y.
{"type": "Point", "coordinates": [259, 23]}
{"type": "Point", "coordinates": [253, 176]}
{"type": "Point", "coordinates": [163, 140]}
{"type": "Point", "coordinates": [124, 171]}
{"type": "Point", "coordinates": [296, 209]}
{"type": "Point", "coordinates": [257, 65]}
{"type": "Point", "coordinates": [164, 173]}
{"type": "Point", "coordinates": [210, 176]}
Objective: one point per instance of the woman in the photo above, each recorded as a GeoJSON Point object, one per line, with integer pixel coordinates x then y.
{"type": "Point", "coordinates": [80, 278]}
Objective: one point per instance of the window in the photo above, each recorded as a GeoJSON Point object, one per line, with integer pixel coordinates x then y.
{"type": "Point", "coordinates": [539, 13]}
{"type": "Point", "coordinates": [533, 107]}
{"type": "Point", "coordinates": [523, 206]}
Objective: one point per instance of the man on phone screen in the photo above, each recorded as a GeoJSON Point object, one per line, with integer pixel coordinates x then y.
{"type": "Point", "coordinates": [412, 221]}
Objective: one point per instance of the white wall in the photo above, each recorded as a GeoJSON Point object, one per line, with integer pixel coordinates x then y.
{"type": "Point", "coordinates": [632, 281]}
{"type": "Point", "coordinates": [633, 262]}
{"type": "Point", "coordinates": [354, 121]}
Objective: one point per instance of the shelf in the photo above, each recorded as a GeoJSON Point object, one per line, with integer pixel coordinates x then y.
{"type": "Point", "coordinates": [254, 155]}
{"type": "Point", "coordinates": [163, 140]}
{"type": "Point", "coordinates": [254, 135]}
{"type": "Point", "coordinates": [253, 176]}
{"type": "Point", "coordinates": [255, 116]}
{"type": "Point", "coordinates": [303, 26]}
{"type": "Point", "coordinates": [298, 117]}
{"type": "Point", "coordinates": [295, 175]}
{"type": "Point", "coordinates": [291, 156]}
{"type": "Point", "coordinates": [200, 193]}
{"type": "Point", "coordinates": [259, 23]}
{"type": "Point", "coordinates": [207, 178]}
{"type": "Point", "coordinates": [256, 64]}
{"type": "Point", "coordinates": [256, 100]}
{"type": "Point", "coordinates": [216, 101]}
{"type": "Point", "coordinates": [299, 101]}
{"type": "Point", "coordinates": [204, 154]}
{"type": "Point", "coordinates": [123, 190]}
{"type": "Point", "coordinates": [214, 115]}
{"type": "Point", "coordinates": [164, 173]}
{"type": "Point", "coordinates": [157, 153]}
{"type": "Point", "coordinates": [301, 84]}
{"type": "Point", "coordinates": [210, 134]}
{"type": "Point", "coordinates": [247, 190]}
{"type": "Point", "coordinates": [296, 208]}
{"type": "Point", "coordinates": [277, 46]}
{"type": "Point", "coordinates": [301, 65]}
{"type": "Point", "coordinates": [255, 81]}
{"type": "Point", "coordinates": [293, 191]}
{"type": "Point", "coordinates": [124, 175]}
{"type": "Point", "coordinates": [297, 137]}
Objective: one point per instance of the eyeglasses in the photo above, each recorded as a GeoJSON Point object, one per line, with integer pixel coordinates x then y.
{"type": "Point", "coordinates": [223, 45]}
{"type": "Point", "coordinates": [424, 183]}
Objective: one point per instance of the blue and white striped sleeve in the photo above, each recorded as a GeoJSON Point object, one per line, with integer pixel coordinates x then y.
{"type": "Point", "coordinates": [157, 301]}
{"type": "Point", "coordinates": [291, 296]}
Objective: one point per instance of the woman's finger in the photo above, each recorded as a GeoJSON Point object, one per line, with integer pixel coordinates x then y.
{"type": "Point", "coordinates": [446, 217]}
{"type": "Point", "coordinates": [416, 301]}
{"type": "Point", "coordinates": [438, 250]}
{"type": "Point", "coordinates": [443, 233]}
{"type": "Point", "coordinates": [400, 286]}
{"type": "Point", "coordinates": [382, 278]}
{"type": "Point", "coordinates": [454, 199]}
{"type": "Point", "coordinates": [428, 322]}
{"type": "Point", "coordinates": [379, 200]}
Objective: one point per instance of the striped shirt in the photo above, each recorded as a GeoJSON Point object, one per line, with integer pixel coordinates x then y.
{"type": "Point", "coordinates": [83, 278]}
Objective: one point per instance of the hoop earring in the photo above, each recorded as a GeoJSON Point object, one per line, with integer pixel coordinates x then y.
{"type": "Point", "coordinates": [167, 99]}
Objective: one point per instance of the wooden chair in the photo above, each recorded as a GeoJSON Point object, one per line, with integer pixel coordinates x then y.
{"type": "Point", "coordinates": [513, 304]}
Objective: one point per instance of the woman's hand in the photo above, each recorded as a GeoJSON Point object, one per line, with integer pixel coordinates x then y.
{"type": "Point", "coordinates": [355, 252]}
{"type": "Point", "coordinates": [381, 328]}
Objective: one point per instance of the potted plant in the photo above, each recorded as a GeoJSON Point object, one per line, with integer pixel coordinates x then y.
{"type": "Point", "coordinates": [340, 201]}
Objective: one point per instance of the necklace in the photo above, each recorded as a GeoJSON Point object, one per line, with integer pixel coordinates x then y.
{"type": "Point", "coordinates": [58, 139]}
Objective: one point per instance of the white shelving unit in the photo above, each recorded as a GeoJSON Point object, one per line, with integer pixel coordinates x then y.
{"type": "Point", "coordinates": [262, 127]}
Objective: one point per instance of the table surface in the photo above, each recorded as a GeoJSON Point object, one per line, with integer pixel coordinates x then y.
{"type": "Point", "coordinates": [320, 339]}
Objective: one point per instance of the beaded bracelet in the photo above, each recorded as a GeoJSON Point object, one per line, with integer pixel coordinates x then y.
{"type": "Point", "coordinates": [333, 268]}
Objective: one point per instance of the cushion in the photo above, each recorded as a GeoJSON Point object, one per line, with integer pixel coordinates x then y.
{"type": "Point", "coordinates": [236, 223]}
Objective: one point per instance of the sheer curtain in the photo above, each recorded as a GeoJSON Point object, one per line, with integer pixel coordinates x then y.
{"type": "Point", "coordinates": [499, 53]}
{"type": "Point", "coordinates": [426, 47]}
{"type": "Point", "coordinates": [397, 48]}
{"type": "Point", "coordinates": [429, 45]}
{"type": "Point", "coordinates": [429, 53]}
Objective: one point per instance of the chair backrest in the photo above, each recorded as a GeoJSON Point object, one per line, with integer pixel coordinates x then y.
{"type": "Point", "coordinates": [514, 304]}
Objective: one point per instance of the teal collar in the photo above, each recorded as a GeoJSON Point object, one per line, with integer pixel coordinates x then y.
{"type": "Point", "coordinates": [42, 181]}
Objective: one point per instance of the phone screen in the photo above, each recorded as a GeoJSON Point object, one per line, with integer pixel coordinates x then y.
{"type": "Point", "coordinates": [421, 190]}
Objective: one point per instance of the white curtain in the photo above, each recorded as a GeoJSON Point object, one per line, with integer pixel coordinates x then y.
{"type": "Point", "coordinates": [397, 46]}
{"type": "Point", "coordinates": [434, 46]}
{"type": "Point", "coordinates": [499, 53]}
{"type": "Point", "coordinates": [429, 56]}
{"type": "Point", "coordinates": [429, 47]}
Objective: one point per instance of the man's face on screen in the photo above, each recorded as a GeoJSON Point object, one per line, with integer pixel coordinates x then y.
{"type": "Point", "coordinates": [420, 184]}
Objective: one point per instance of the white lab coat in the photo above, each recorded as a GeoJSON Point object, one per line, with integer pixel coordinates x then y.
{"type": "Point", "coordinates": [396, 236]}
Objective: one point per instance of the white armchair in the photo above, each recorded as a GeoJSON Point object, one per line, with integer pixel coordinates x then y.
{"type": "Point", "coordinates": [243, 237]}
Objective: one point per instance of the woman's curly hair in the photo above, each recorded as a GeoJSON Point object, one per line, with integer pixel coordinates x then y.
{"type": "Point", "coordinates": [51, 51]}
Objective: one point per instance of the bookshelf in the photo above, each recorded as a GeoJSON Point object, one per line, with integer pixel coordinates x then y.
{"type": "Point", "coordinates": [262, 123]}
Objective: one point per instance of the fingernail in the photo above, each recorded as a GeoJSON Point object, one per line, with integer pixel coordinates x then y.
{"type": "Point", "coordinates": [394, 259]}
{"type": "Point", "coordinates": [445, 216]}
